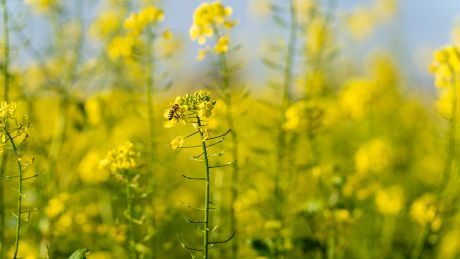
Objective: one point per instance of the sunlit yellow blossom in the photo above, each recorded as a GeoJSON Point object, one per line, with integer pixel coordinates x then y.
{"type": "Point", "coordinates": [445, 102]}
{"type": "Point", "coordinates": [197, 105]}
{"type": "Point", "coordinates": [356, 95]}
{"type": "Point", "coordinates": [56, 205]}
{"type": "Point", "coordinates": [303, 116]}
{"type": "Point", "coordinates": [222, 44]}
{"type": "Point", "coordinates": [88, 168]}
{"type": "Point", "coordinates": [106, 24]}
{"type": "Point", "coordinates": [121, 159]}
{"type": "Point", "coordinates": [137, 22]}
{"type": "Point", "coordinates": [273, 224]}
{"type": "Point", "coordinates": [94, 110]}
{"type": "Point", "coordinates": [446, 63]}
{"type": "Point", "coordinates": [64, 222]}
{"type": "Point", "coordinates": [43, 6]}
{"type": "Point", "coordinates": [7, 110]}
{"type": "Point", "coordinates": [424, 211]}
{"type": "Point", "coordinates": [208, 17]}
{"type": "Point", "coordinates": [390, 200]}
{"type": "Point", "coordinates": [374, 156]}
{"type": "Point", "coordinates": [122, 47]}
{"type": "Point", "coordinates": [177, 142]}
{"type": "Point", "coordinates": [342, 215]}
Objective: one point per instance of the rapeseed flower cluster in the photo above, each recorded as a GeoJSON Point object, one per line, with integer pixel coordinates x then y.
{"type": "Point", "coordinates": [445, 66]}
{"type": "Point", "coordinates": [198, 105]}
{"type": "Point", "coordinates": [12, 126]}
{"type": "Point", "coordinates": [137, 22]}
{"type": "Point", "coordinates": [127, 45]}
{"type": "Point", "coordinates": [425, 211]}
{"type": "Point", "coordinates": [120, 160]}
{"type": "Point", "coordinates": [304, 116]}
{"type": "Point", "coordinates": [212, 20]}
{"type": "Point", "coordinates": [374, 156]}
{"type": "Point", "coordinates": [390, 200]}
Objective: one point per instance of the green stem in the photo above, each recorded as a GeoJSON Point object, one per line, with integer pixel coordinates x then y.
{"type": "Point", "coordinates": [422, 237]}
{"type": "Point", "coordinates": [286, 101]}
{"type": "Point", "coordinates": [129, 209]}
{"type": "Point", "coordinates": [2, 209]}
{"type": "Point", "coordinates": [451, 134]}
{"type": "Point", "coordinates": [6, 61]}
{"type": "Point", "coordinates": [19, 199]}
{"type": "Point", "coordinates": [6, 54]}
{"type": "Point", "coordinates": [150, 163]}
{"type": "Point", "coordinates": [206, 194]}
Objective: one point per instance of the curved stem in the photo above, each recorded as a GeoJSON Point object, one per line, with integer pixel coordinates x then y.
{"type": "Point", "coordinates": [206, 195]}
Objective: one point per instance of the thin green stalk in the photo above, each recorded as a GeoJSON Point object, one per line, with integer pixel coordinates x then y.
{"type": "Point", "coordinates": [19, 199]}
{"type": "Point", "coordinates": [6, 60]}
{"type": "Point", "coordinates": [451, 134]}
{"type": "Point", "coordinates": [150, 163]}
{"type": "Point", "coordinates": [2, 208]}
{"type": "Point", "coordinates": [6, 54]}
{"type": "Point", "coordinates": [225, 77]}
{"type": "Point", "coordinates": [286, 101]}
{"type": "Point", "coordinates": [129, 209]}
{"type": "Point", "coordinates": [421, 240]}
{"type": "Point", "coordinates": [206, 194]}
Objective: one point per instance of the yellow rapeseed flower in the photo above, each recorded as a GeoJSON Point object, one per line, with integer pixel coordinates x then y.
{"type": "Point", "coordinates": [209, 17]}
{"type": "Point", "coordinates": [106, 24]}
{"type": "Point", "coordinates": [374, 156]}
{"type": "Point", "coordinates": [424, 210]}
{"type": "Point", "coordinates": [122, 47]}
{"type": "Point", "coordinates": [222, 44]}
{"type": "Point", "coordinates": [137, 22]}
{"type": "Point", "coordinates": [177, 142]}
{"type": "Point", "coordinates": [446, 64]}
{"type": "Point", "coordinates": [390, 200]}
{"type": "Point", "coordinates": [120, 160]}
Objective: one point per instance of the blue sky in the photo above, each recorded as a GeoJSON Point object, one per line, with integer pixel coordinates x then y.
{"type": "Point", "coordinates": [420, 27]}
